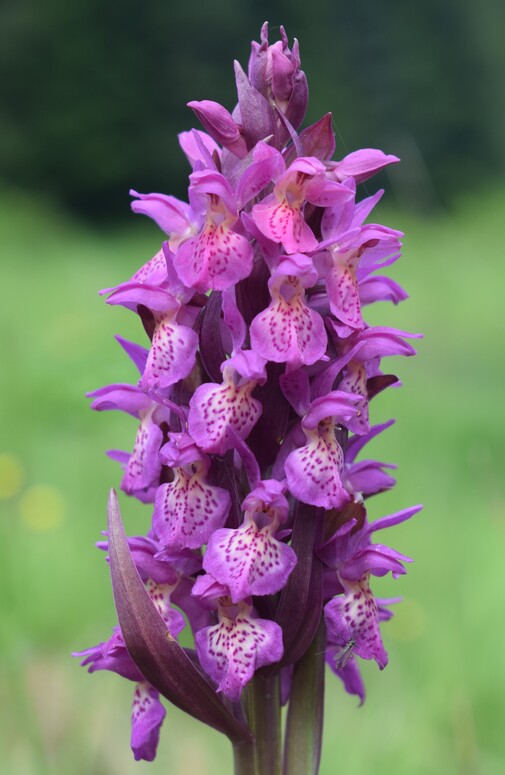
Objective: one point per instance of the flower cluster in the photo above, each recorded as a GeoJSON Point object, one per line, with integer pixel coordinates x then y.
{"type": "Point", "coordinates": [253, 398]}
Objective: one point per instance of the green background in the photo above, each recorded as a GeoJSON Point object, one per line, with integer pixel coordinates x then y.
{"type": "Point", "coordinates": [439, 705]}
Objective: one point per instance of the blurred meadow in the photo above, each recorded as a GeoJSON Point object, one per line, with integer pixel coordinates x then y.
{"type": "Point", "coordinates": [440, 704]}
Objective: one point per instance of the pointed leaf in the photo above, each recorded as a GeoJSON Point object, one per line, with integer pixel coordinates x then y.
{"type": "Point", "coordinates": [156, 653]}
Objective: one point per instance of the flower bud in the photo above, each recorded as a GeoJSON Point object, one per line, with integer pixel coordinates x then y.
{"type": "Point", "coordinates": [275, 72]}
{"type": "Point", "coordinates": [220, 125]}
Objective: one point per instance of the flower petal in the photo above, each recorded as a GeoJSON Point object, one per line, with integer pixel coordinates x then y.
{"type": "Point", "coordinates": [218, 258]}
{"type": "Point", "coordinates": [343, 292]}
{"type": "Point", "coordinates": [215, 407]}
{"type": "Point", "coordinates": [313, 472]}
{"type": "Point", "coordinates": [144, 467]}
{"type": "Point", "coordinates": [289, 332]}
{"type": "Point", "coordinates": [188, 510]}
{"type": "Point", "coordinates": [172, 354]}
{"type": "Point", "coordinates": [232, 650]}
{"type": "Point", "coordinates": [285, 224]}
{"type": "Point", "coordinates": [249, 561]}
{"type": "Point", "coordinates": [354, 617]}
{"type": "Point", "coordinates": [169, 213]}
{"type": "Point", "coordinates": [147, 717]}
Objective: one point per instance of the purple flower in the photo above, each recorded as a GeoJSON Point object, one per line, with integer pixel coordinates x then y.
{"type": "Point", "coordinates": [280, 216]}
{"type": "Point", "coordinates": [314, 470]}
{"type": "Point", "coordinates": [218, 256]}
{"type": "Point", "coordinates": [239, 644]}
{"type": "Point", "coordinates": [254, 399]}
{"type": "Point", "coordinates": [353, 621]}
{"type": "Point", "coordinates": [173, 349]}
{"type": "Point", "coordinates": [250, 560]}
{"type": "Point", "coordinates": [174, 217]}
{"type": "Point", "coordinates": [143, 466]}
{"type": "Point", "coordinates": [354, 617]}
{"type": "Point", "coordinates": [188, 510]}
{"type": "Point", "coordinates": [289, 331]}
{"type": "Point", "coordinates": [214, 408]}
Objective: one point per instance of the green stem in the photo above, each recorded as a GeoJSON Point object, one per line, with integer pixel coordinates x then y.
{"type": "Point", "coordinates": [263, 755]}
{"type": "Point", "coordinates": [304, 725]}
{"type": "Point", "coordinates": [245, 759]}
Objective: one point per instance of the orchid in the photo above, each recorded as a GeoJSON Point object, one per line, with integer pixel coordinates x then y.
{"type": "Point", "coordinates": [253, 404]}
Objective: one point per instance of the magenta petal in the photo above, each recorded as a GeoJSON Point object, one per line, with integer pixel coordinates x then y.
{"type": "Point", "coordinates": [160, 595]}
{"type": "Point", "coordinates": [122, 397]}
{"type": "Point", "coordinates": [111, 655]}
{"type": "Point", "coordinates": [336, 223]}
{"type": "Point", "coordinates": [147, 717]}
{"type": "Point", "coordinates": [232, 650]}
{"type": "Point", "coordinates": [135, 352]}
{"type": "Point", "coordinates": [169, 213]}
{"type": "Point", "coordinates": [143, 551]}
{"type": "Point", "coordinates": [377, 288]}
{"type": "Point", "coordinates": [157, 299]}
{"type": "Point", "coordinates": [154, 272]}
{"type": "Point", "coordinates": [378, 560]}
{"type": "Point", "coordinates": [369, 477]}
{"type": "Point", "coordinates": [343, 293]}
{"type": "Point", "coordinates": [193, 149]}
{"type": "Point", "coordinates": [266, 165]}
{"type": "Point", "coordinates": [327, 193]}
{"type": "Point", "coordinates": [354, 616]}
{"type": "Point", "coordinates": [218, 258]}
{"type": "Point", "coordinates": [394, 519]}
{"type": "Point", "coordinates": [268, 495]}
{"type": "Point", "coordinates": [172, 354]}
{"type": "Point", "coordinates": [188, 510]}
{"type": "Point", "coordinates": [144, 466]}
{"type": "Point", "coordinates": [215, 407]}
{"type": "Point", "coordinates": [285, 224]}
{"type": "Point", "coordinates": [337, 404]}
{"type": "Point", "coordinates": [364, 163]}
{"type": "Point", "coordinates": [208, 591]}
{"type": "Point", "coordinates": [249, 364]}
{"type": "Point", "coordinates": [289, 332]}
{"type": "Point", "coordinates": [313, 472]}
{"type": "Point", "coordinates": [381, 341]}
{"type": "Point", "coordinates": [249, 561]}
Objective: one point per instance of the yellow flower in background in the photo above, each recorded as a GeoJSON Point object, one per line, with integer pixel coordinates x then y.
{"type": "Point", "coordinates": [11, 475]}
{"type": "Point", "coordinates": [42, 507]}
